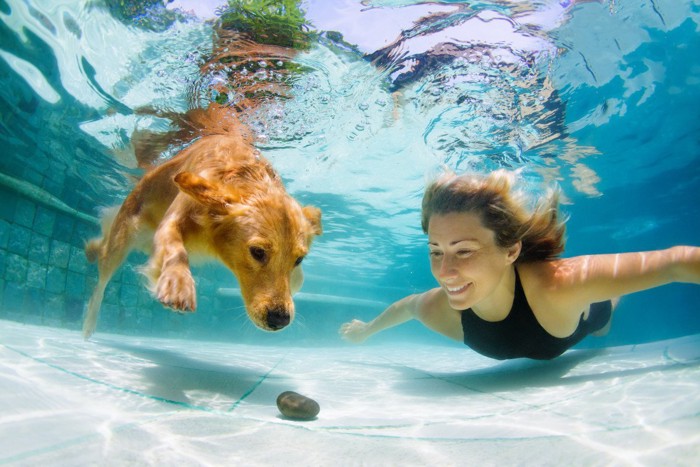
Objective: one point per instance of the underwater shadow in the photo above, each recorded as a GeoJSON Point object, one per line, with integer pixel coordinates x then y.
{"type": "Point", "coordinates": [515, 375]}
{"type": "Point", "coordinates": [520, 374]}
{"type": "Point", "coordinates": [174, 375]}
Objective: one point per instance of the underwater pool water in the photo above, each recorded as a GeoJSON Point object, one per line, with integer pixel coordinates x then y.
{"type": "Point", "coordinates": [600, 97]}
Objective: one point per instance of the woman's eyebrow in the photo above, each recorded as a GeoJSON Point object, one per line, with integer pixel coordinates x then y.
{"type": "Point", "coordinates": [455, 242]}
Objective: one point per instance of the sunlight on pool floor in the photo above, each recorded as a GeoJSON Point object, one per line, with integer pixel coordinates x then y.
{"type": "Point", "coordinates": [130, 400]}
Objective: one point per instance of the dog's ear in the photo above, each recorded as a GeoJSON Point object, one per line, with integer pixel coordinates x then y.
{"type": "Point", "coordinates": [210, 194]}
{"type": "Point", "coordinates": [313, 215]}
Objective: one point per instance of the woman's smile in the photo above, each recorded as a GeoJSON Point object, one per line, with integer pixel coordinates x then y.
{"type": "Point", "coordinates": [453, 290]}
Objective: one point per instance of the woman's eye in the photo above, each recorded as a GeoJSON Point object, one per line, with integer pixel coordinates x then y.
{"type": "Point", "coordinates": [464, 252]}
{"type": "Point", "coordinates": [258, 254]}
{"type": "Point", "coordinates": [435, 254]}
{"type": "Point", "coordinates": [298, 261]}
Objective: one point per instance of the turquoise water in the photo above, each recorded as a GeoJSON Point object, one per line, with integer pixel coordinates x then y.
{"type": "Point", "coordinates": [601, 97]}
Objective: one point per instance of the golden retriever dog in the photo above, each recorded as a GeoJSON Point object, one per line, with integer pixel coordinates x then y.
{"type": "Point", "coordinates": [217, 198]}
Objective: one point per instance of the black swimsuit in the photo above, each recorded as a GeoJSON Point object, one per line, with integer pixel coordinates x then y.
{"type": "Point", "coordinates": [520, 335]}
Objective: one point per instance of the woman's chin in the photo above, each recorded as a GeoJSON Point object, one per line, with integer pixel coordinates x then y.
{"type": "Point", "coordinates": [458, 303]}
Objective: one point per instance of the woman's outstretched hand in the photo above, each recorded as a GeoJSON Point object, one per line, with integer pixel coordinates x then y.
{"type": "Point", "coordinates": [355, 331]}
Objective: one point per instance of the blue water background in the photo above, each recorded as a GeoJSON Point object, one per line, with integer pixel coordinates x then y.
{"type": "Point", "coordinates": [602, 98]}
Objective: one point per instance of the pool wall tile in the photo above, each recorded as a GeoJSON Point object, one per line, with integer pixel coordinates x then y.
{"type": "Point", "coordinates": [36, 276]}
{"type": "Point", "coordinates": [8, 205]}
{"type": "Point", "coordinates": [24, 215]}
{"type": "Point", "coordinates": [55, 307]}
{"type": "Point", "coordinates": [128, 297]}
{"type": "Point", "coordinates": [75, 285]}
{"type": "Point", "coordinates": [44, 275]}
{"type": "Point", "coordinates": [4, 233]}
{"type": "Point", "coordinates": [56, 279]}
{"type": "Point", "coordinates": [19, 240]}
{"type": "Point", "coordinates": [34, 177]}
{"type": "Point", "coordinates": [35, 298]}
{"type": "Point", "coordinates": [16, 268]}
{"type": "Point", "coordinates": [59, 254]}
{"type": "Point", "coordinates": [53, 187]}
{"type": "Point", "coordinates": [39, 247]}
{"type": "Point", "coordinates": [63, 228]}
{"type": "Point", "coordinates": [111, 295]}
{"type": "Point", "coordinates": [77, 261]}
{"type": "Point", "coordinates": [109, 315]}
{"type": "Point", "coordinates": [13, 296]}
{"type": "Point", "coordinates": [74, 311]}
{"type": "Point", "coordinates": [44, 221]}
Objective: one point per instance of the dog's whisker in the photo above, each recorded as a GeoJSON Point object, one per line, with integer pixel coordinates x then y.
{"type": "Point", "coordinates": [236, 309]}
{"type": "Point", "coordinates": [240, 320]}
{"type": "Point", "coordinates": [300, 321]}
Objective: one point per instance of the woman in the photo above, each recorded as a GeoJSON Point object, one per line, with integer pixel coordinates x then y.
{"type": "Point", "coordinates": [503, 290]}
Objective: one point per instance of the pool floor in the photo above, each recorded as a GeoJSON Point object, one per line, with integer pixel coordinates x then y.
{"type": "Point", "coordinates": [119, 400]}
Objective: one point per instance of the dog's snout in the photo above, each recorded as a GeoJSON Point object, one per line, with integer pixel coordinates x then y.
{"type": "Point", "coordinates": [277, 318]}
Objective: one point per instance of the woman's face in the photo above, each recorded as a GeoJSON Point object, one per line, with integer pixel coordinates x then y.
{"type": "Point", "coordinates": [465, 259]}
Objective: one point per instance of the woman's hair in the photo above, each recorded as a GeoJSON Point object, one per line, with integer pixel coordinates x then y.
{"type": "Point", "coordinates": [491, 197]}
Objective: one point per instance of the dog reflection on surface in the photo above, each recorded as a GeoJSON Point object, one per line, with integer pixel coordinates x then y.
{"type": "Point", "coordinates": [218, 198]}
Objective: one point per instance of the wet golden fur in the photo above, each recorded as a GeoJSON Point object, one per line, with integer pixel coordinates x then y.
{"type": "Point", "coordinates": [217, 198]}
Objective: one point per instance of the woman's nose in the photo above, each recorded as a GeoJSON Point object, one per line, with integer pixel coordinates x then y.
{"type": "Point", "coordinates": [447, 268]}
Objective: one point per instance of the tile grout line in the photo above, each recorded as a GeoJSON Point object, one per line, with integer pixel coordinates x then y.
{"type": "Point", "coordinates": [255, 386]}
{"type": "Point", "coordinates": [110, 385]}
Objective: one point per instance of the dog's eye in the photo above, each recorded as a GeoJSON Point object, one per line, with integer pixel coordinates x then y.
{"type": "Point", "coordinates": [298, 261]}
{"type": "Point", "coordinates": [258, 254]}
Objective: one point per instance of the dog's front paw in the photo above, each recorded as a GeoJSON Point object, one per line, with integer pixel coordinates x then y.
{"type": "Point", "coordinates": [175, 289]}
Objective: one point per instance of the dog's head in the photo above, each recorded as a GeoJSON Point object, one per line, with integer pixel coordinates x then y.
{"type": "Point", "coordinates": [262, 235]}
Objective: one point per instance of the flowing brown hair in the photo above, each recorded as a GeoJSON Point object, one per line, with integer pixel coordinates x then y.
{"type": "Point", "coordinates": [501, 210]}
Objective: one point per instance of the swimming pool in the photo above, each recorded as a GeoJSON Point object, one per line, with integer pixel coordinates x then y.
{"type": "Point", "coordinates": [600, 97]}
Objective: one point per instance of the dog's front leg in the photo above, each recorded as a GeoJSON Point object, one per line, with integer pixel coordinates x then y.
{"type": "Point", "coordinates": [170, 266]}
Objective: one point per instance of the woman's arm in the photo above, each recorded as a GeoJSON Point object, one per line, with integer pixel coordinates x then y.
{"type": "Point", "coordinates": [357, 331]}
{"type": "Point", "coordinates": [588, 279]}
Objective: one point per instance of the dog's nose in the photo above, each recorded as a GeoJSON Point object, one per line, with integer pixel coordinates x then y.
{"type": "Point", "coordinates": [277, 318]}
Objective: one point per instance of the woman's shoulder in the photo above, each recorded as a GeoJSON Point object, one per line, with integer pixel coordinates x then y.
{"type": "Point", "coordinates": [432, 300]}
{"type": "Point", "coordinates": [541, 273]}
{"type": "Point", "coordinates": [551, 274]}
{"type": "Point", "coordinates": [548, 282]}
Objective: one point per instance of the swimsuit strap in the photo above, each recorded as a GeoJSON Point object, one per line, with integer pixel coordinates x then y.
{"type": "Point", "coordinates": [520, 303]}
